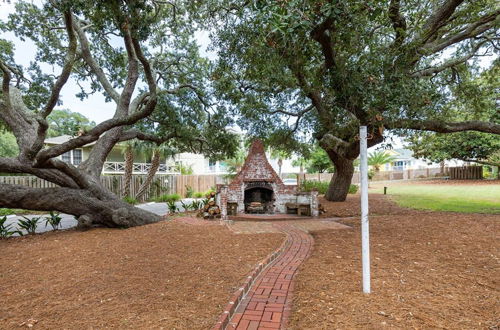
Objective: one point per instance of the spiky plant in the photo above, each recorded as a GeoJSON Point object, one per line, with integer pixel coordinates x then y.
{"type": "Point", "coordinates": [378, 158]}
{"type": "Point", "coordinates": [54, 220]}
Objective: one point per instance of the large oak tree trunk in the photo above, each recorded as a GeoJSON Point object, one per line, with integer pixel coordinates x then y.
{"type": "Point", "coordinates": [341, 180]}
{"type": "Point", "coordinates": [89, 210]}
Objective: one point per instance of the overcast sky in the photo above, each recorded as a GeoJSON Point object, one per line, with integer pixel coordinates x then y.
{"type": "Point", "coordinates": [94, 107]}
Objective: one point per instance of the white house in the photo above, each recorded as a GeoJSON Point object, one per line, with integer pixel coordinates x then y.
{"type": "Point", "coordinates": [404, 160]}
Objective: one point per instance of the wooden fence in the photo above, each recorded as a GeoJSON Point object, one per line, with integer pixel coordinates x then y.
{"type": "Point", "coordinates": [169, 184]}
{"type": "Point", "coordinates": [466, 173]}
{"type": "Point", "coordinates": [384, 175]}
{"type": "Point", "coordinates": [162, 184]}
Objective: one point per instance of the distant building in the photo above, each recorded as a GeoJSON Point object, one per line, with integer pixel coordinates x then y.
{"type": "Point", "coordinates": [115, 163]}
{"type": "Point", "coordinates": [404, 160]}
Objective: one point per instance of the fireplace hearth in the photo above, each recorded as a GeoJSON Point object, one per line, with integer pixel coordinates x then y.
{"type": "Point", "coordinates": [257, 189]}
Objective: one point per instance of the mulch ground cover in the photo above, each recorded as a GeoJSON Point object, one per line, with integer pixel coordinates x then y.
{"type": "Point", "coordinates": [429, 270]}
{"type": "Point", "coordinates": [171, 275]}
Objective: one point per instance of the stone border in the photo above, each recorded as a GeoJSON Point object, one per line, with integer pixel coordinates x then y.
{"type": "Point", "coordinates": [238, 296]}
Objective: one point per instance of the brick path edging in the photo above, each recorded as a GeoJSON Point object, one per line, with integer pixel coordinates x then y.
{"type": "Point", "coordinates": [235, 300]}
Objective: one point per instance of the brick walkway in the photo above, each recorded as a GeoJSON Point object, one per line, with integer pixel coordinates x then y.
{"type": "Point", "coordinates": [267, 304]}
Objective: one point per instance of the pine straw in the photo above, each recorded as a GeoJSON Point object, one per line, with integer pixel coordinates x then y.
{"type": "Point", "coordinates": [166, 275]}
{"type": "Point", "coordinates": [429, 270]}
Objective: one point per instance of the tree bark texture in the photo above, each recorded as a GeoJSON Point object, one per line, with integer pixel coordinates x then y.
{"type": "Point", "coordinates": [88, 209]}
{"type": "Point", "coordinates": [155, 164]}
{"type": "Point", "coordinates": [341, 180]}
{"type": "Point", "coordinates": [129, 165]}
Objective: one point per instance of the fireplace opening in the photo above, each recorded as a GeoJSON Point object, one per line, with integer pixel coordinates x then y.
{"type": "Point", "coordinates": [259, 200]}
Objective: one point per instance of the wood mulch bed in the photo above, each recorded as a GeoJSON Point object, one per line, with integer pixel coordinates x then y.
{"type": "Point", "coordinates": [429, 270]}
{"type": "Point", "coordinates": [166, 275]}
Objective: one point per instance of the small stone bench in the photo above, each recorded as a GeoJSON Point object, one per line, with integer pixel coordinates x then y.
{"type": "Point", "coordinates": [298, 208]}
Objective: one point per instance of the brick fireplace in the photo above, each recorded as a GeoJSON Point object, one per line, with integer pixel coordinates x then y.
{"type": "Point", "coordinates": [257, 188]}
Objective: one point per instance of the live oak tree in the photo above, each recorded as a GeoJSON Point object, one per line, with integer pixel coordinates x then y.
{"type": "Point", "coordinates": [298, 71]}
{"type": "Point", "coordinates": [142, 57]}
{"type": "Point", "coordinates": [67, 122]}
{"type": "Point", "coordinates": [479, 93]}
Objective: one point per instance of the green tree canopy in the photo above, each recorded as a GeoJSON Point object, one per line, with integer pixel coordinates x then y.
{"type": "Point", "coordinates": [142, 56]}
{"type": "Point", "coordinates": [298, 71]}
{"type": "Point", "coordinates": [66, 122]}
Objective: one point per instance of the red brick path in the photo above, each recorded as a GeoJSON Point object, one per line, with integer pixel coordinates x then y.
{"type": "Point", "coordinates": [267, 303]}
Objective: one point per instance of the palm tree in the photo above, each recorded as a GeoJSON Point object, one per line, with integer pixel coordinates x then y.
{"type": "Point", "coordinates": [378, 158]}
{"type": "Point", "coordinates": [280, 155]}
{"type": "Point", "coordinates": [128, 154]}
{"type": "Point", "coordinates": [185, 169]}
{"type": "Point", "coordinates": [155, 153]}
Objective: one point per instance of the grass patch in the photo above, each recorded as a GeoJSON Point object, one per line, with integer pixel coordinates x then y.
{"type": "Point", "coordinates": [452, 198]}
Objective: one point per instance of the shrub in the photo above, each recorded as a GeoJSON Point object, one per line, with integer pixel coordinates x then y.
{"type": "Point", "coordinates": [54, 220]}
{"type": "Point", "coordinates": [371, 174]}
{"type": "Point", "coordinates": [172, 207]}
{"type": "Point", "coordinates": [309, 185]}
{"type": "Point", "coordinates": [7, 211]}
{"type": "Point", "coordinates": [189, 191]}
{"type": "Point", "coordinates": [29, 225]}
{"type": "Point", "coordinates": [322, 187]}
{"type": "Point", "coordinates": [5, 230]}
{"type": "Point", "coordinates": [198, 194]}
{"type": "Point", "coordinates": [130, 200]}
{"type": "Point", "coordinates": [209, 191]}
{"type": "Point", "coordinates": [169, 198]}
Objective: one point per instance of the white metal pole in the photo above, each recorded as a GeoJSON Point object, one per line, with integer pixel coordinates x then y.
{"type": "Point", "coordinates": [365, 235]}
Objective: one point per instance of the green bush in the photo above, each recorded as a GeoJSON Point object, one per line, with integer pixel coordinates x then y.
{"type": "Point", "coordinates": [310, 185]}
{"type": "Point", "coordinates": [4, 211]}
{"type": "Point", "coordinates": [189, 191]}
{"type": "Point", "coordinates": [322, 187]}
{"type": "Point", "coordinates": [54, 220]}
{"type": "Point", "coordinates": [209, 191]}
{"type": "Point", "coordinates": [169, 198]}
{"type": "Point", "coordinates": [130, 200]}
{"type": "Point", "coordinates": [353, 188]}
{"type": "Point", "coordinates": [29, 225]}
{"type": "Point", "coordinates": [198, 194]}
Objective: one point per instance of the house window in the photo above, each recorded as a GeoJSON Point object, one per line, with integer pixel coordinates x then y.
{"type": "Point", "coordinates": [77, 156]}
{"type": "Point", "coordinates": [72, 157]}
{"type": "Point", "coordinates": [211, 163]}
{"type": "Point", "coordinates": [66, 157]}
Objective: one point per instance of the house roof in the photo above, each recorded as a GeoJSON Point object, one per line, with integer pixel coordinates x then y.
{"type": "Point", "coordinates": [62, 139]}
{"type": "Point", "coordinates": [403, 153]}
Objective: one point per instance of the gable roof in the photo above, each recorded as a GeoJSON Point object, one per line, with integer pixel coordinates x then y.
{"type": "Point", "coordinates": [62, 139]}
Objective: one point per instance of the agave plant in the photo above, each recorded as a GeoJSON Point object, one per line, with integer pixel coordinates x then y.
{"type": "Point", "coordinates": [6, 230]}
{"type": "Point", "coordinates": [185, 206]}
{"type": "Point", "coordinates": [195, 205]}
{"type": "Point", "coordinates": [54, 220]}
{"type": "Point", "coordinates": [172, 207]}
{"type": "Point", "coordinates": [29, 225]}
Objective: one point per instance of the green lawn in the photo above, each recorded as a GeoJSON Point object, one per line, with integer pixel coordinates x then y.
{"type": "Point", "coordinates": [443, 197]}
